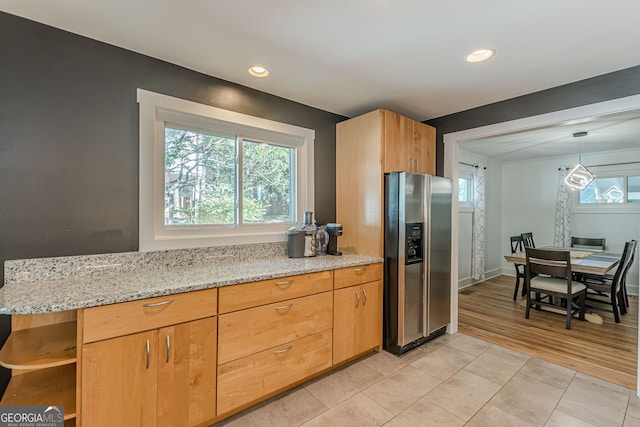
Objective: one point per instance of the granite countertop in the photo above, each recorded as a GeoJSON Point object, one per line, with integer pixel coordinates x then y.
{"type": "Point", "coordinates": [72, 293]}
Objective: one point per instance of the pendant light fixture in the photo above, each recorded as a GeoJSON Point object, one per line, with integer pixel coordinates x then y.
{"type": "Point", "coordinates": [579, 177]}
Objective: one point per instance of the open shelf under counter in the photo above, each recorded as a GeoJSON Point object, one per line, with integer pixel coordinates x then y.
{"type": "Point", "coordinates": [44, 387]}
{"type": "Point", "coordinates": [41, 347]}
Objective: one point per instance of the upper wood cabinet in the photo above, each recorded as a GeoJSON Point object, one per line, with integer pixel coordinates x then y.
{"type": "Point", "coordinates": [367, 146]}
{"type": "Point", "coordinates": [424, 148]}
{"type": "Point", "coordinates": [409, 145]}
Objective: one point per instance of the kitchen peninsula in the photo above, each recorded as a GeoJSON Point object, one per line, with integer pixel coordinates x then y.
{"type": "Point", "coordinates": [187, 337]}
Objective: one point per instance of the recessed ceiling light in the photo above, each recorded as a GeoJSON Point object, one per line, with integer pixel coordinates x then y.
{"type": "Point", "coordinates": [480, 55]}
{"type": "Point", "coordinates": [258, 71]}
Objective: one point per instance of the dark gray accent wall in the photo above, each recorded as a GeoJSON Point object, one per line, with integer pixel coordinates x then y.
{"type": "Point", "coordinates": [69, 139]}
{"type": "Point", "coordinates": [605, 87]}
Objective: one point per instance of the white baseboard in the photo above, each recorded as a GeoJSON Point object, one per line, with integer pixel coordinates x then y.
{"type": "Point", "coordinates": [468, 281]}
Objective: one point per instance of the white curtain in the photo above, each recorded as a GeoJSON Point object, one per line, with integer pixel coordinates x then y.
{"type": "Point", "coordinates": [563, 212]}
{"type": "Point", "coordinates": [477, 244]}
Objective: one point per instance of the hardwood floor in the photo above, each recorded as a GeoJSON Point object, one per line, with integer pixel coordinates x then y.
{"type": "Point", "coordinates": [608, 351]}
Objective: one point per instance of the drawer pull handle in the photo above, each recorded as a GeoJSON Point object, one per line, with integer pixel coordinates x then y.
{"type": "Point", "coordinates": [360, 270]}
{"type": "Point", "coordinates": [168, 348]}
{"type": "Point", "coordinates": [358, 299]}
{"type": "Point", "coordinates": [365, 297]}
{"type": "Point", "coordinates": [284, 350]}
{"type": "Point", "coordinates": [157, 304]}
{"type": "Point", "coordinates": [148, 353]}
{"type": "Point", "coordinates": [284, 307]}
{"type": "Point", "coordinates": [284, 282]}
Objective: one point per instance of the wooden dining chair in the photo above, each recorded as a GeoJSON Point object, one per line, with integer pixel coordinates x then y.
{"type": "Point", "coordinates": [598, 243]}
{"type": "Point", "coordinates": [589, 242]}
{"type": "Point", "coordinates": [527, 240]}
{"type": "Point", "coordinates": [517, 246]}
{"type": "Point", "coordinates": [624, 278]}
{"type": "Point", "coordinates": [553, 281]}
{"type": "Point", "coordinates": [609, 295]}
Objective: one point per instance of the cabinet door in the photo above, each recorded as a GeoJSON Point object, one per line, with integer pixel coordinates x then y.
{"type": "Point", "coordinates": [370, 316]}
{"type": "Point", "coordinates": [187, 373]}
{"type": "Point", "coordinates": [398, 137]}
{"type": "Point", "coordinates": [346, 318]}
{"type": "Point", "coordinates": [119, 381]}
{"type": "Point", "coordinates": [424, 148]}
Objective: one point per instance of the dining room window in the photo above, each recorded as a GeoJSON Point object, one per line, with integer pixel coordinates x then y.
{"type": "Point", "coordinates": [611, 190]}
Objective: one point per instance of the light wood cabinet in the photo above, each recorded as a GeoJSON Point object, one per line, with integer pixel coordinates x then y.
{"type": "Point", "coordinates": [368, 146]}
{"type": "Point", "coordinates": [268, 341]}
{"type": "Point", "coordinates": [246, 332]}
{"type": "Point", "coordinates": [174, 361]}
{"type": "Point", "coordinates": [408, 145]}
{"type": "Point", "coordinates": [119, 381]}
{"type": "Point", "coordinates": [357, 320]}
{"type": "Point", "coordinates": [360, 274]}
{"type": "Point", "coordinates": [163, 377]}
{"type": "Point", "coordinates": [254, 377]}
{"type": "Point", "coordinates": [253, 294]}
{"type": "Point", "coordinates": [150, 362]}
{"type": "Point", "coordinates": [41, 352]}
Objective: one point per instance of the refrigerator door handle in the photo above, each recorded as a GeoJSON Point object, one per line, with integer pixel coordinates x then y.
{"type": "Point", "coordinates": [426, 208]}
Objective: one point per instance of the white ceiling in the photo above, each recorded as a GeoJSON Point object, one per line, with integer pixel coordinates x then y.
{"type": "Point", "coordinates": [352, 56]}
{"type": "Point", "coordinates": [618, 131]}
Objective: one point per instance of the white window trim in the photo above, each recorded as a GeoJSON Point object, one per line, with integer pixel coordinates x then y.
{"type": "Point", "coordinates": [155, 109]}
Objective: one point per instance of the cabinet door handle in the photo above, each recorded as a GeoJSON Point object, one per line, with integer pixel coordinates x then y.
{"type": "Point", "coordinates": [284, 350]}
{"type": "Point", "coordinates": [417, 165]}
{"type": "Point", "coordinates": [168, 348]}
{"type": "Point", "coordinates": [360, 270]}
{"type": "Point", "coordinates": [156, 304]}
{"type": "Point", "coordinates": [358, 299]}
{"type": "Point", "coordinates": [365, 297]}
{"type": "Point", "coordinates": [284, 282]}
{"type": "Point", "coordinates": [148, 353]}
{"type": "Point", "coordinates": [284, 307]}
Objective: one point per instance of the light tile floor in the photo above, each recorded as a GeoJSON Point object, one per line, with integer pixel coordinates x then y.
{"type": "Point", "coordinates": [454, 380]}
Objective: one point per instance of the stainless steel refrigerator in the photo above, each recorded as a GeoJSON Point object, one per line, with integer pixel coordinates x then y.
{"type": "Point", "coordinates": [417, 252]}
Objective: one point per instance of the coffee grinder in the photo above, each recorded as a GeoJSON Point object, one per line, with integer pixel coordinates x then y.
{"type": "Point", "coordinates": [334, 230]}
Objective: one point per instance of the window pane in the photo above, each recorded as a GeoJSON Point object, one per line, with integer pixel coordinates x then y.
{"type": "Point", "coordinates": [267, 182]}
{"type": "Point", "coordinates": [465, 186]}
{"type": "Point", "coordinates": [633, 189]}
{"type": "Point", "coordinates": [604, 190]}
{"type": "Point", "coordinates": [199, 178]}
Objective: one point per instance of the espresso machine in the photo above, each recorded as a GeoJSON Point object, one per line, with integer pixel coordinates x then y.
{"type": "Point", "coordinates": [334, 230]}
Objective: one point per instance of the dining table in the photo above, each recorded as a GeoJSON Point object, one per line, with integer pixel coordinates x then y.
{"type": "Point", "coordinates": [582, 261]}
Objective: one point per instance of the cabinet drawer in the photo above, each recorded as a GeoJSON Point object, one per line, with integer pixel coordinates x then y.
{"type": "Point", "coordinates": [238, 297]}
{"type": "Point", "coordinates": [130, 317]}
{"type": "Point", "coordinates": [246, 332]}
{"type": "Point", "coordinates": [250, 378]}
{"type": "Point", "coordinates": [355, 275]}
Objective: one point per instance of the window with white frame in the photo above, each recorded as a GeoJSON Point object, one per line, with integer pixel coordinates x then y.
{"type": "Point", "coordinates": [212, 177]}
{"type": "Point", "coordinates": [611, 189]}
{"type": "Point", "coordinates": [465, 187]}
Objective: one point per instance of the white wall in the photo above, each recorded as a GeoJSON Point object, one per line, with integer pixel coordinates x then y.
{"type": "Point", "coordinates": [521, 197]}
{"type": "Point", "coordinates": [529, 196]}
{"type": "Point", "coordinates": [493, 219]}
